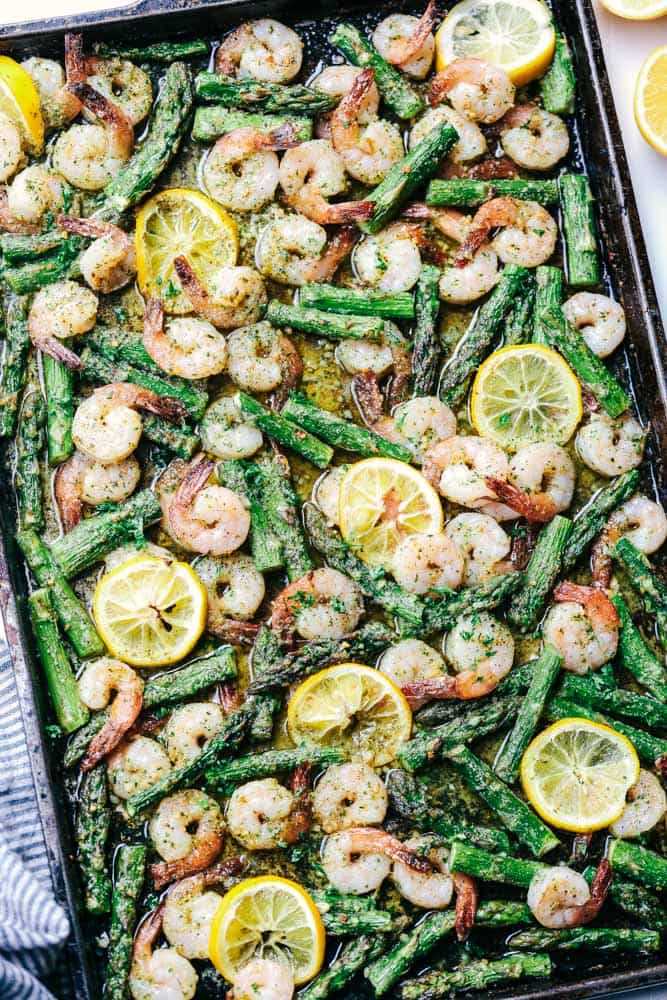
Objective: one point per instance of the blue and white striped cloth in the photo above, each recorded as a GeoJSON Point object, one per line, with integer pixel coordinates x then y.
{"type": "Point", "coordinates": [33, 927]}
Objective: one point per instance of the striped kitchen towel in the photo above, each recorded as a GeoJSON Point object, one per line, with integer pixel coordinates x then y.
{"type": "Point", "coordinates": [33, 927]}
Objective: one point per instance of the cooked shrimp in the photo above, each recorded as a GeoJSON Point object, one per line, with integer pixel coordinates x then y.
{"type": "Point", "coordinates": [422, 422]}
{"type": "Point", "coordinates": [349, 795]}
{"type": "Point", "coordinates": [294, 250]}
{"type": "Point", "coordinates": [459, 468]}
{"type": "Point", "coordinates": [476, 89]}
{"type": "Point", "coordinates": [120, 81]}
{"type": "Point", "coordinates": [59, 311]}
{"type": "Point", "coordinates": [110, 262]}
{"type": "Point", "coordinates": [431, 890]}
{"type": "Point", "coordinates": [534, 138]}
{"type": "Point", "coordinates": [359, 859]}
{"type": "Point", "coordinates": [639, 519]}
{"type": "Point", "coordinates": [226, 434]}
{"type": "Point", "coordinates": [428, 564]}
{"type": "Point", "coordinates": [583, 626]}
{"type": "Point", "coordinates": [471, 143]}
{"type": "Point", "coordinates": [599, 319]}
{"type": "Point", "coordinates": [81, 480]}
{"type": "Point", "coordinates": [313, 172]}
{"type": "Point", "coordinates": [187, 831]}
{"type": "Point", "coordinates": [483, 543]}
{"type": "Point", "coordinates": [161, 974]}
{"type": "Point", "coordinates": [258, 812]}
{"type": "Point", "coordinates": [367, 360]}
{"type": "Point", "coordinates": [241, 170]}
{"type": "Point", "coordinates": [467, 899]}
{"type": "Point", "coordinates": [189, 729]}
{"type": "Point", "coordinates": [264, 50]}
{"type": "Point", "coordinates": [326, 492]}
{"type": "Point", "coordinates": [561, 898]}
{"type": "Point", "coordinates": [135, 765]}
{"type": "Point", "coordinates": [11, 148]}
{"type": "Point", "coordinates": [409, 661]}
{"type": "Point", "coordinates": [460, 285]}
{"type": "Point", "coordinates": [189, 908]}
{"type": "Point", "coordinates": [236, 295]}
{"type": "Point", "coordinates": [88, 156]}
{"type": "Point", "coordinates": [263, 979]}
{"type": "Point", "coordinates": [390, 261]}
{"type": "Point", "coordinates": [234, 586]}
{"type": "Point", "coordinates": [407, 41]}
{"type": "Point", "coordinates": [368, 151]}
{"type": "Point", "coordinates": [611, 447]}
{"type": "Point", "coordinates": [337, 81]}
{"type": "Point", "coordinates": [57, 104]}
{"type": "Point", "coordinates": [323, 604]}
{"type": "Point", "coordinates": [262, 358]}
{"type": "Point", "coordinates": [33, 192]}
{"type": "Point", "coordinates": [481, 649]}
{"type": "Point", "coordinates": [208, 519]}
{"type": "Point", "coordinates": [527, 236]}
{"type": "Point", "coordinates": [542, 486]}
{"type": "Point", "coordinates": [106, 426]}
{"type": "Point", "coordinates": [185, 346]}
{"type": "Point", "coordinates": [97, 684]}
{"type": "Point", "coordinates": [646, 807]}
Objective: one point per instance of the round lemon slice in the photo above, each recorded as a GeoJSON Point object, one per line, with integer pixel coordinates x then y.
{"type": "Point", "coordinates": [267, 917]}
{"type": "Point", "coordinates": [352, 707]}
{"type": "Point", "coordinates": [19, 100]}
{"type": "Point", "coordinates": [517, 35]}
{"type": "Point", "coordinates": [150, 611]}
{"type": "Point", "coordinates": [636, 10]}
{"type": "Point", "coordinates": [381, 502]}
{"type": "Point", "coordinates": [576, 774]}
{"type": "Point", "coordinates": [181, 222]}
{"type": "Point", "coordinates": [522, 395]}
{"type": "Point", "coordinates": [651, 99]}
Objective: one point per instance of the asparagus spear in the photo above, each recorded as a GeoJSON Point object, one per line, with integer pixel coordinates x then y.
{"type": "Point", "coordinates": [53, 266]}
{"type": "Point", "coordinates": [436, 712]}
{"type": "Point", "coordinates": [284, 432]}
{"type": "Point", "coordinates": [340, 433]}
{"type": "Point", "coordinates": [464, 192]}
{"type": "Point", "coordinates": [545, 671]}
{"type": "Point", "coordinates": [638, 863]}
{"type": "Point", "coordinates": [63, 689]}
{"type": "Point", "coordinates": [394, 89]}
{"type": "Point", "coordinates": [581, 248]}
{"type": "Point", "coordinates": [493, 867]}
{"type": "Point", "coordinates": [29, 447]}
{"type": "Point", "coordinates": [518, 327]}
{"type": "Point", "coordinates": [527, 605]}
{"type": "Point", "coordinates": [648, 747]}
{"type": "Point", "coordinates": [549, 296]}
{"type": "Point", "coordinates": [477, 342]}
{"type": "Point", "coordinates": [557, 86]}
{"type": "Point", "coordinates": [17, 247]}
{"type": "Point", "coordinates": [590, 521]}
{"type": "Point", "coordinates": [441, 615]}
{"type": "Point", "coordinates": [13, 374]}
{"type": "Point", "coordinates": [130, 863]}
{"type": "Point", "coordinates": [406, 176]}
{"type": "Point", "coordinates": [92, 830]}
{"type": "Point", "coordinates": [346, 916]}
{"type": "Point", "coordinates": [280, 99]}
{"type": "Point", "coordinates": [636, 655]}
{"type": "Point", "coordinates": [640, 903]}
{"type": "Point", "coordinates": [514, 813]}
{"type": "Point", "coordinates": [157, 52]}
{"type": "Point", "coordinates": [59, 389]}
{"type": "Point", "coordinates": [266, 655]}
{"type": "Point", "coordinates": [213, 121]}
{"type": "Point", "coordinates": [353, 957]}
{"type": "Point", "coordinates": [372, 583]}
{"type": "Point", "coordinates": [93, 538]}
{"type": "Point", "coordinates": [265, 546]}
{"type": "Point", "coordinates": [591, 692]}
{"type": "Point", "coordinates": [72, 615]}
{"type": "Point", "coordinates": [646, 582]}
{"type": "Point", "coordinates": [177, 438]}
{"type": "Point", "coordinates": [426, 349]}
{"type": "Point", "coordinates": [272, 481]}
{"type": "Point", "coordinates": [363, 646]}
{"type": "Point", "coordinates": [617, 939]}
{"type": "Point", "coordinates": [476, 976]}
{"type": "Point", "coordinates": [326, 324]}
{"type": "Point", "coordinates": [224, 775]}
{"type": "Point", "coordinates": [355, 302]}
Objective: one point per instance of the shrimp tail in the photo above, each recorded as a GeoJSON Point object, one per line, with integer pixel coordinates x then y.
{"type": "Point", "coordinates": [193, 481]}
{"type": "Point", "coordinates": [409, 48]}
{"type": "Point", "coordinates": [225, 871]}
{"type": "Point", "coordinates": [368, 840]}
{"type": "Point", "coordinates": [471, 244]}
{"type": "Point", "coordinates": [347, 211]}
{"type": "Point", "coordinates": [595, 601]}
{"type": "Point", "coordinates": [348, 108]}
{"type": "Point", "coordinates": [600, 886]}
{"type": "Point", "coordinates": [10, 224]}
{"type": "Point", "coordinates": [199, 296]}
{"type": "Point", "coordinates": [109, 736]}
{"type": "Point", "coordinates": [108, 113]}
{"type": "Point", "coordinates": [283, 137]}
{"type": "Point", "coordinates": [661, 764]}
{"type": "Point", "coordinates": [162, 406]}
{"type": "Point", "coordinates": [56, 349]}
{"type": "Point", "coordinates": [87, 227]}
{"type": "Point", "coordinates": [340, 247]}
{"type": "Point", "coordinates": [147, 934]}
{"type": "Point", "coordinates": [200, 858]}
{"type": "Point", "coordinates": [368, 397]}
{"type": "Point", "coordinates": [75, 62]}
{"type": "Point", "coordinates": [301, 814]}
{"type": "Point", "coordinates": [229, 51]}
{"type": "Point", "coordinates": [467, 899]}
{"type": "Point", "coordinates": [402, 366]}
{"type": "Point", "coordinates": [230, 630]}
{"type": "Point", "coordinates": [419, 211]}
{"type": "Point", "coordinates": [420, 692]}
{"type": "Point", "coordinates": [492, 214]}
{"type": "Point", "coordinates": [538, 507]}
{"type": "Point", "coordinates": [601, 563]}
{"type": "Point", "coordinates": [66, 488]}
{"type": "Point", "coordinates": [230, 696]}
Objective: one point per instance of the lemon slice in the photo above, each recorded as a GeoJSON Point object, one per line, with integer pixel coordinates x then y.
{"type": "Point", "coordinates": [522, 395]}
{"type": "Point", "coordinates": [651, 99]}
{"type": "Point", "coordinates": [576, 774]}
{"type": "Point", "coordinates": [267, 917]}
{"type": "Point", "coordinates": [352, 707]}
{"type": "Point", "coordinates": [181, 222]}
{"type": "Point", "coordinates": [517, 35]}
{"type": "Point", "coordinates": [636, 10]}
{"type": "Point", "coordinates": [381, 502]}
{"type": "Point", "coordinates": [150, 611]}
{"type": "Point", "coordinates": [19, 100]}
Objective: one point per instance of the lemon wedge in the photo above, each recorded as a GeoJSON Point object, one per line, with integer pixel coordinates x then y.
{"type": "Point", "coordinates": [19, 100]}
{"type": "Point", "coordinates": [651, 99]}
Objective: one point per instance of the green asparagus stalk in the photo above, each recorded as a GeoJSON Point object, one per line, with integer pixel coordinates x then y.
{"type": "Point", "coordinates": [591, 692]}
{"type": "Point", "coordinates": [284, 432]}
{"type": "Point", "coordinates": [92, 831]}
{"type": "Point", "coordinates": [581, 248]}
{"type": "Point", "coordinates": [14, 361]}
{"type": "Point", "coordinates": [72, 615]}
{"type": "Point", "coordinates": [61, 682]}
{"type": "Point", "coordinates": [157, 52]}
{"type": "Point", "coordinates": [441, 615]}
{"type": "Point", "coordinates": [477, 975]}
{"type": "Point", "coordinates": [518, 327]}
{"type": "Point", "coordinates": [549, 296]}
{"type": "Point", "coordinates": [527, 605]}
{"type": "Point", "coordinates": [96, 536]}
{"type": "Point", "coordinates": [426, 348]}
{"type": "Point", "coordinates": [29, 448]}
{"type": "Point", "coordinates": [639, 864]}
{"type": "Point", "coordinates": [354, 956]}
{"type": "Point", "coordinates": [17, 247]}
{"type": "Point", "coordinates": [177, 438]}
{"type": "Point", "coordinates": [266, 655]}
{"type": "Point", "coordinates": [325, 324]}
{"type": "Point", "coordinates": [225, 775]}
{"type": "Point", "coordinates": [406, 176]}
{"type": "Point", "coordinates": [213, 121]}
{"type": "Point", "coordinates": [640, 903]}
{"type": "Point", "coordinates": [649, 748]}
{"type": "Point", "coordinates": [346, 916]}
{"type": "Point", "coordinates": [265, 546]}
{"type": "Point", "coordinates": [590, 370]}
{"type": "Point", "coordinates": [53, 266]}
{"type": "Point", "coordinates": [646, 582]}
{"type": "Point", "coordinates": [464, 192]}
{"type": "Point", "coordinates": [59, 389]}
{"type": "Point", "coordinates": [616, 939]}
{"type": "Point", "coordinates": [436, 712]}
{"type": "Point", "coordinates": [493, 867]}
{"type": "Point", "coordinates": [130, 864]}
{"type": "Point", "coordinates": [515, 814]}
{"type": "Point", "coordinates": [357, 302]}
{"type": "Point", "coordinates": [280, 99]}
{"type": "Point", "coordinates": [271, 478]}
{"type": "Point", "coordinates": [372, 583]}
{"type": "Point", "coordinates": [590, 521]}
{"type": "Point", "coordinates": [478, 341]}
{"type": "Point", "coordinates": [636, 655]}
{"type": "Point", "coordinates": [557, 86]}
{"type": "Point", "coordinates": [340, 433]}
{"type": "Point", "coordinates": [394, 89]}
{"type": "Point", "coordinates": [363, 646]}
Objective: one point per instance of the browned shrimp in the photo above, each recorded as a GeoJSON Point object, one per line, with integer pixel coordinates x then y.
{"type": "Point", "coordinates": [467, 899]}
{"type": "Point", "coordinates": [164, 971]}
{"type": "Point", "coordinates": [301, 814]}
{"type": "Point", "coordinates": [239, 302]}
{"type": "Point", "coordinates": [98, 683]}
{"type": "Point", "coordinates": [477, 89]}
{"type": "Point", "coordinates": [535, 507]}
{"type": "Point", "coordinates": [323, 603]}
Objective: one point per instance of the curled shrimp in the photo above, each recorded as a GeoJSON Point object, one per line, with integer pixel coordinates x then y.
{"type": "Point", "coordinates": [97, 684]}
{"type": "Point", "coordinates": [59, 311]}
{"type": "Point", "coordinates": [368, 151]}
{"type": "Point", "coordinates": [295, 250]}
{"type": "Point", "coordinates": [127, 85]}
{"type": "Point", "coordinates": [477, 89]}
{"type": "Point", "coordinates": [241, 170]}
{"type": "Point", "coordinates": [583, 627]}
{"type": "Point", "coordinates": [407, 41]}
{"type": "Point", "coordinates": [264, 50]}
{"type": "Point", "coordinates": [58, 105]}
{"type": "Point", "coordinates": [208, 519]}
{"type": "Point", "coordinates": [534, 138]}
{"type": "Point", "coordinates": [81, 480]}
{"type": "Point", "coordinates": [236, 299]}
{"type": "Point", "coordinates": [188, 347]}
{"type": "Point", "coordinates": [459, 468]}
{"type": "Point", "coordinates": [189, 909]}
{"type": "Point", "coordinates": [155, 975]}
{"type": "Point", "coordinates": [357, 860]}
{"type": "Point", "coordinates": [263, 979]}
{"type": "Point", "coordinates": [187, 831]}
{"type": "Point", "coordinates": [527, 236]}
{"type": "Point", "coordinates": [110, 262]}
{"type": "Point", "coordinates": [641, 520]}
{"type": "Point", "coordinates": [560, 897]}
{"type": "Point", "coordinates": [313, 172]}
{"type": "Point", "coordinates": [88, 156]}
{"type": "Point", "coordinates": [323, 604]}
{"type": "Point", "coordinates": [32, 193]}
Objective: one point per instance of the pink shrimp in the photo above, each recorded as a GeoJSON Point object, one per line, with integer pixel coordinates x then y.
{"type": "Point", "coordinates": [527, 234]}
{"type": "Point", "coordinates": [467, 899]}
{"type": "Point", "coordinates": [370, 840]}
{"type": "Point", "coordinates": [323, 603]}
{"type": "Point", "coordinates": [98, 683]}
{"type": "Point", "coordinates": [300, 817]}
{"type": "Point", "coordinates": [10, 223]}
{"type": "Point", "coordinates": [477, 89]}
{"type": "Point", "coordinates": [535, 507]}
{"type": "Point", "coordinates": [162, 972]}
{"type": "Point", "coordinates": [313, 172]}
{"type": "Point", "coordinates": [207, 519]}
{"type": "Point", "coordinates": [552, 890]}
{"type": "Point", "coordinates": [110, 262]}
{"type": "Point", "coordinates": [243, 299]}
{"type": "Point", "coordinates": [404, 49]}
{"type": "Point", "coordinates": [189, 348]}
{"type": "Point", "coordinates": [174, 820]}
{"type": "Point", "coordinates": [583, 626]}
{"type": "Point", "coordinates": [81, 480]}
